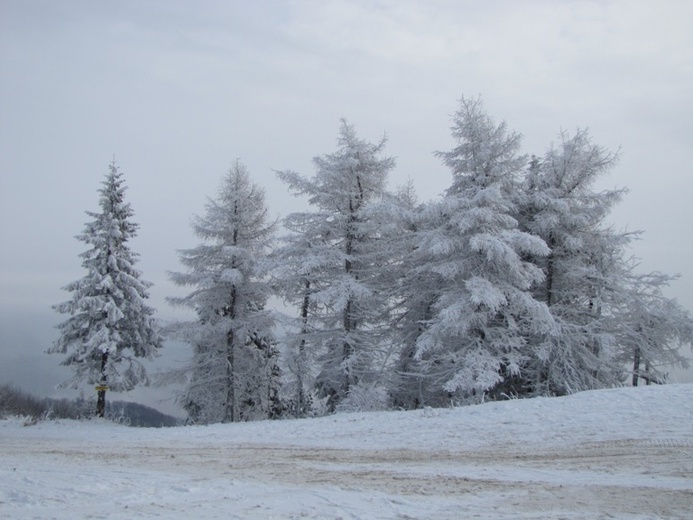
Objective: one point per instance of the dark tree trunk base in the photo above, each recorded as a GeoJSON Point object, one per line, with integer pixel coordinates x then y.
{"type": "Point", "coordinates": [101, 403]}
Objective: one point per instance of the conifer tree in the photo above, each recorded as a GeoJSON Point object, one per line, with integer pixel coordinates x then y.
{"type": "Point", "coordinates": [297, 275]}
{"type": "Point", "coordinates": [110, 325]}
{"type": "Point", "coordinates": [585, 269]}
{"type": "Point", "coordinates": [410, 294]}
{"type": "Point", "coordinates": [336, 248]}
{"type": "Point", "coordinates": [234, 373]}
{"type": "Point", "coordinates": [482, 312]}
{"type": "Point", "coordinates": [652, 329]}
{"type": "Point", "coordinates": [608, 317]}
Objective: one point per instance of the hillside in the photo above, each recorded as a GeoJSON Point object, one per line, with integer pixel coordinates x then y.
{"type": "Point", "coordinates": [623, 453]}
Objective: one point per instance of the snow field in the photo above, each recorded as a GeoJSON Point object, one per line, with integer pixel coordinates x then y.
{"type": "Point", "coordinates": [622, 453]}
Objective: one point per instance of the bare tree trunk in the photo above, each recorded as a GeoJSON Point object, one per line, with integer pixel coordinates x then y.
{"type": "Point", "coordinates": [101, 388]}
{"type": "Point", "coordinates": [230, 412]}
{"type": "Point", "coordinates": [347, 352]}
{"type": "Point", "coordinates": [347, 320]}
{"type": "Point", "coordinates": [636, 366]}
{"type": "Point", "coordinates": [550, 273]}
{"type": "Point", "coordinates": [303, 405]}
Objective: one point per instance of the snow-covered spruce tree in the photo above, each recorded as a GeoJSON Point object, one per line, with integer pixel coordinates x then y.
{"type": "Point", "coordinates": [335, 251]}
{"type": "Point", "coordinates": [476, 340]}
{"type": "Point", "coordinates": [233, 375]}
{"type": "Point", "coordinates": [110, 325]}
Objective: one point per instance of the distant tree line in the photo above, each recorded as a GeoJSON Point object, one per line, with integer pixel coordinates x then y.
{"type": "Point", "coordinates": [16, 403]}
{"type": "Point", "coordinates": [511, 284]}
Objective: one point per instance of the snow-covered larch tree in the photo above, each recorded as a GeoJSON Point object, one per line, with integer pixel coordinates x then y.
{"type": "Point", "coordinates": [233, 375]}
{"type": "Point", "coordinates": [651, 329]}
{"type": "Point", "coordinates": [608, 317]}
{"type": "Point", "coordinates": [335, 251]}
{"type": "Point", "coordinates": [585, 269]}
{"type": "Point", "coordinates": [110, 325]}
{"type": "Point", "coordinates": [298, 274]}
{"type": "Point", "coordinates": [477, 338]}
{"type": "Point", "coordinates": [414, 290]}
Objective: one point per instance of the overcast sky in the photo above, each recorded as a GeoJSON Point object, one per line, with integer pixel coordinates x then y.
{"type": "Point", "coordinates": [177, 90]}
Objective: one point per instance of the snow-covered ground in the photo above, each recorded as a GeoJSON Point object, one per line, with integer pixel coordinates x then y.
{"type": "Point", "coordinates": [623, 453]}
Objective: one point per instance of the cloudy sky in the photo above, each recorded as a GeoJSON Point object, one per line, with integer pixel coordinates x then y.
{"type": "Point", "coordinates": [177, 90]}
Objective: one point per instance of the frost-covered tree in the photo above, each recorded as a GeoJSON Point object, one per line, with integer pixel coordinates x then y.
{"type": "Point", "coordinates": [584, 269]}
{"type": "Point", "coordinates": [298, 274]}
{"type": "Point", "coordinates": [334, 251]}
{"type": "Point", "coordinates": [607, 316]}
{"type": "Point", "coordinates": [651, 329]}
{"type": "Point", "coordinates": [411, 293]}
{"type": "Point", "coordinates": [233, 375]}
{"type": "Point", "coordinates": [110, 325]}
{"type": "Point", "coordinates": [482, 314]}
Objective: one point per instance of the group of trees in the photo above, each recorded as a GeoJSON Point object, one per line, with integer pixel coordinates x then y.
{"type": "Point", "coordinates": [510, 284]}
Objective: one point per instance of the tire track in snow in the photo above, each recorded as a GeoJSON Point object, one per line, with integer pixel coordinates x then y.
{"type": "Point", "coordinates": [639, 477]}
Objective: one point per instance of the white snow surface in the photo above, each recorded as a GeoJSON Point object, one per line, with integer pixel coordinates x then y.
{"type": "Point", "coordinates": [623, 453]}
